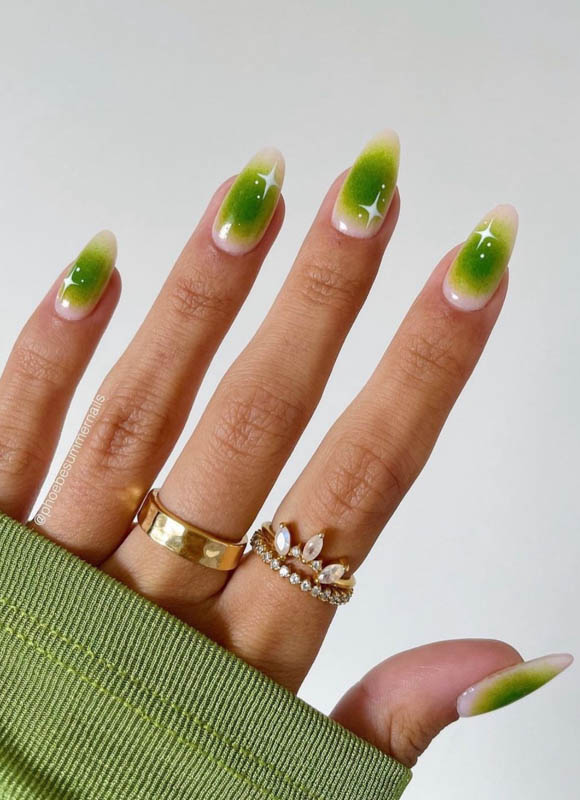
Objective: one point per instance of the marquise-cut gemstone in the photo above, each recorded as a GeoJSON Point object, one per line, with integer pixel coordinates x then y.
{"type": "Point", "coordinates": [331, 573]}
{"type": "Point", "coordinates": [313, 547]}
{"type": "Point", "coordinates": [282, 541]}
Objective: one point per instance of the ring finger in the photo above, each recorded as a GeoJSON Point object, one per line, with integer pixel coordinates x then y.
{"type": "Point", "coordinates": [376, 449]}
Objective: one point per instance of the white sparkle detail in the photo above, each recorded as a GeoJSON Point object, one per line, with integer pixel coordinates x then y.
{"type": "Point", "coordinates": [372, 210]}
{"type": "Point", "coordinates": [485, 234]}
{"type": "Point", "coordinates": [270, 179]}
{"type": "Point", "coordinates": [70, 281]}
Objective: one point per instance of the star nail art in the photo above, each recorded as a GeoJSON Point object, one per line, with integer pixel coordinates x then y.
{"type": "Point", "coordinates": [367, 191]}
{"type": "Point", "coordinates": [477, 270]}
{"type": "Point", "coordinates": [248, 207]}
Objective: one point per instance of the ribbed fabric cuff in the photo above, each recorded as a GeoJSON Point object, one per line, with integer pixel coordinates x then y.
{"type": "Point", "coordinates": [105, 695]}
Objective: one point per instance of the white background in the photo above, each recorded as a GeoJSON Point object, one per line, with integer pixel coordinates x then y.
{"type": "Point", "coordinates": [128, 114]}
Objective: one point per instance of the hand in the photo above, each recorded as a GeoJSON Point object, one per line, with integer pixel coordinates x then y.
{"type": "Point", "coordinates": [350, 488]}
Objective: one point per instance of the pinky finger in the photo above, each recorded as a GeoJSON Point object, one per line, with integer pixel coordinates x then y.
{"type": "Point", "coordinates": [45, 366]}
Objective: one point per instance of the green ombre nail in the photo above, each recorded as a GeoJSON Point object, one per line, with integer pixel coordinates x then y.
{"type": "Point", "coordinates": [511, 684]}
{"type": "Point", "coordinates": [368, 189]}
{"type": "Point", "coordinates": [249, 206]}
{"type": "Point", "coordinates": [479, 266]}
{"type": "Point", "coordinates": [87, 277]}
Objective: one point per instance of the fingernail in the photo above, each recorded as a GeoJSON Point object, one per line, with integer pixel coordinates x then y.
{"type": "Point", "coordinates": [368, 189]}
{"type": "Point", "coordinates": [249, 206]}
{"type": "Point", "coordinates": [511, 684]}
{"type": "Point", "coordinates": [87, 277]}
{"type": "Point", "coordinates": [478, 268]}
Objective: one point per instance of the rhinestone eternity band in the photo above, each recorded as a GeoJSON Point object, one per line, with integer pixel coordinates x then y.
{"type": "Point", "coordinates": [328, 583]}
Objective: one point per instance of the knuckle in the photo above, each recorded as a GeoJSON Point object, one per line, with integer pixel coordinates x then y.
{"type": "Point", "coordinates": [432, 358]}
{"type": "Point", "coordinates": [408, 736]}
{"type": "Point", "coordinates": [130, 426]}
{"type": "Point", "coordinates": [18, 457]}
{"type": "Point", "coordinates": [361, 481]}
{"type": "Point", "coordinates": [38, 363]}
{"type": "Point", "coordinates": [194, 297]}
{"type": "Point", "coordinates": [324, 283]}
{"type": "Point", "coordinates": [257, 422]}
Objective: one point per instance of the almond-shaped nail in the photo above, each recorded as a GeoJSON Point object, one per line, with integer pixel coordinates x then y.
{"type": "Point", "coordinates": [248, 207]}
{"type": "Point", "coordinates": [367, 191]}
{"type": "Point", "coordinates": [477, 269]}
{"type": "Point", "coordinates": [87, 277]}
{"type": "Point", "coordinates": [508, 685]}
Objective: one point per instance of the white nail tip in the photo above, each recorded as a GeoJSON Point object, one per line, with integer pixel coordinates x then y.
{"type": "Point", "coordinates": [506, 212]}
{"type": "Point", "coordinates": [105, 240]}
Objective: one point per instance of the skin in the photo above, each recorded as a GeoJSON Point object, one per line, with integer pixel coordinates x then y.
{"type": "Point", "coordinates": [225, 472]}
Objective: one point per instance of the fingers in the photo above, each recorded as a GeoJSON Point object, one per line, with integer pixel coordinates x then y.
{"type": "Point", "coordinates": [45, 366]}
{"type": "Point", "coordinates": [147, 396]}
{"type": "Point", "coordinates": [265, 400]}
{"type": "Point", "coordinates": [375, 450]}
{"type": "Point", "coordinates": [404, 702]}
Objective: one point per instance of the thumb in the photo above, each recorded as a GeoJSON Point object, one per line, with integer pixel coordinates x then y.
{"type": "Point", "coordinates": [404, 702]}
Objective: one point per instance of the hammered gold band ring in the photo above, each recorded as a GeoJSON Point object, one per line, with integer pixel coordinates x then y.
{"type": "Point", "coordinates": [187, 540]}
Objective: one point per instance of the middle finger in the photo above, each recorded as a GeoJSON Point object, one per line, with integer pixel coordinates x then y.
{"type": "Point", "coordinates": [265, 400]}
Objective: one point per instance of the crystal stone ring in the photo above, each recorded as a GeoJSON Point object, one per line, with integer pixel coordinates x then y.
{"type": "Point", "coordinates": [328, 582]}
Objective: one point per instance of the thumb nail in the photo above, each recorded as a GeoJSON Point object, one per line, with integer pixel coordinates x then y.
{"type": "Point", "coordinates": [508, 685]}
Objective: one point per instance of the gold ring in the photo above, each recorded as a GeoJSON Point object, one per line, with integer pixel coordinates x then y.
{"type": "Point", "coordinates": [186, 540]}
{"type": "Point", "coordinates": [329, 583]}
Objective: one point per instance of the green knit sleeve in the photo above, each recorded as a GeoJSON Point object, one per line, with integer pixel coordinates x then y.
{"type": "Point", "coordinates": [104, 695]}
